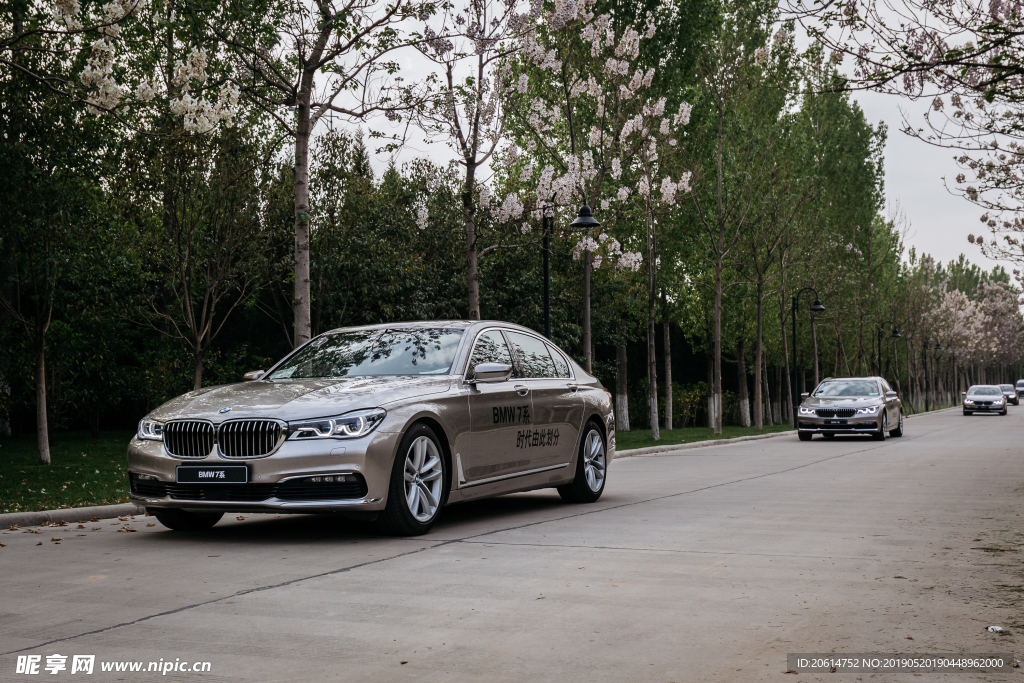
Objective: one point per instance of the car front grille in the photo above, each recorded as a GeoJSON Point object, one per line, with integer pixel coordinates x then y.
{"type": "Point", "coordinates": [189, 438]}
{"type": "Point", "coordinates": [983, 403]}
{"type": "Point", "coordinates": [294, 490]}
{"type": "Point", "coordinates": [836, 412]}
{"type": "Point", "coordinates": [249, 438]}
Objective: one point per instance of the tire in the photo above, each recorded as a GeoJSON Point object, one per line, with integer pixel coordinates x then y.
{"type": "Point", "coordinates": [880, 434]}
{"type": "Point", "coordinates": [804, 436]}
{"type": "Point", "coordinates": [829, 436]}
{"type": "Point", "coordinates": [591, 468]}
{"type": "Point", "coordinates": [899, 428]}
{"type": "Point", "coordinates": [415, 501]}
{"type": "Point", "coordinates": [180, 520]}
{"type": "Point", "coordinates": [1004, 412]}
{"type": "Point", "coordinates": [968, 412]}
{"type": "Point", "coordinates": [419, 484]}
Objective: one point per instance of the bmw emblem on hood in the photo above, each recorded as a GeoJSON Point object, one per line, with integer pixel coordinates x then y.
{"type": "Point", "coordinates": [225, 410]}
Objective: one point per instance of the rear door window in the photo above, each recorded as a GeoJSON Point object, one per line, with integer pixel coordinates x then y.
{"type": "Point", "coordinates": [533, 355]}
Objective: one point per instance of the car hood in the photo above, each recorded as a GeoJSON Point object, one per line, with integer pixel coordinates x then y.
{"type": "Point", "coordinates": [854, 402]}
{"type": "Point", "coordinates": [298, 399]}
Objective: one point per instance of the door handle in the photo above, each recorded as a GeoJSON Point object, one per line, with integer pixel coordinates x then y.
{"type": "Point", "coordinates": [573, 387]}
{"type": "Point", "coordinates": [522, 390]}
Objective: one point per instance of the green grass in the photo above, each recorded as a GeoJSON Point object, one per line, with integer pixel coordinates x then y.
{"type": "Point", "coordinates": [641, 438]}
{"type": "Point", "coordinates": [83, 472]}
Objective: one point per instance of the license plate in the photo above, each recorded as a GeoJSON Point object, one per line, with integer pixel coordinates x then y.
{"type": "Point", "coordinates": [835, 422]}
{"type": "Point", "coordinates": [232, 474]}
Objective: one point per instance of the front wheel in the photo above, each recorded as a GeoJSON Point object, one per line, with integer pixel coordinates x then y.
{"type": "Point", "coordinates": [1004, 412]}
{"type": "Point", "coordinates": [180, 520]}
{"type": "Point", "coordinates": [591, 468]}
{"type": "Point", "coordinates": [804, 436]}
{"type": "Point", "coordinates": [968, 412]}
{"type": "Point", "coordinates": [880, 434]}
{"type": "Point", "coordinates": [899, 429]}
{"type": "Point", "coordinates": [418, 486]}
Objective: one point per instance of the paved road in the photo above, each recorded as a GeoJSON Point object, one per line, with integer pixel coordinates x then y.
{"type": "Point", "coordinates": [706, 565]}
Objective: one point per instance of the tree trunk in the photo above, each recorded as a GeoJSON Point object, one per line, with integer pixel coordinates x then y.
{"type": "Point", "coordinates": [472, 263]}
{"type": "Point", "coordinates": [667, 330]}
{"type": "Point", "coordinates": [741, 376]}
{"type": "Point", "coordinates": [759, 402]}
{"type": "Point", "coordinates": [785, 357]}
{"type": "Point", "coordinates": [42, 428]}
{"type": "Point", "coordinates": [718, 345]}
{"type": "Point", "coordinates": [777, 417]}
{"type": "Point", "coordinates": [301, 298]}
{"type": "Point", "coordinates": [767, 395]}
{"type": "Point", "coordinates": [197, 371]}
{"type": "Point", "coordinates": [652, 303]}
{"type": "Point", "coordinates": [711, 393]}
{"type": "Point", "coordinates": [621, 390]}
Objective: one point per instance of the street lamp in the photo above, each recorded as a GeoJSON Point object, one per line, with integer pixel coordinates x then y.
{"type": "Point", "coordinates": [816, 307]}
{"type": "Point", "coordinates": [584, 219]}
{"type": "Point", "coordinates": [895, 335]}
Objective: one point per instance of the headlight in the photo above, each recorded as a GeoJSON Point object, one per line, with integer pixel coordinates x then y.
{"type": "Point", "coordinates": [151, 430]}
{"type": "Point", "coordinates": [806, 411]}
{"type": "Point", "coordinates": [869, 410]}
{"type": "Point", "coordinates": [967, 400]}
{"type": "Point", "coordinates": [997, 402]}
{"type": "Point", "coordinates": [348, 426]}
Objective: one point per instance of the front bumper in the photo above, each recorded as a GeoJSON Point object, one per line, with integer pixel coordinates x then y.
{"type": "Point", "coordinates": [859, 424]}
{"type": "Point", "coordinates": [974, 407]}
{"type": "Point", "coordinates": [276, 483]}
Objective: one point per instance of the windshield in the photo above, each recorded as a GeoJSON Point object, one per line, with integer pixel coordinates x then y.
{"type": "Point", "coordinates": [373, 352]}
{"type": "Point", "coordinates": [984, 391]}
{"type": "Point", "coordinates": [846, 388]}
{"type": "Point", "coordinates": [1006, 387]}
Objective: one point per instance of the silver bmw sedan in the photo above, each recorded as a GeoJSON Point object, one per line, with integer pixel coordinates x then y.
{"type": "Point", "coordinates": [387, 422]}
{"type": "Point", "coordinates": [851, 405]}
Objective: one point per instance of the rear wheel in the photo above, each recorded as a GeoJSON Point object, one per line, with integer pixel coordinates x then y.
{"type": "Point", "coordinates": [880, 434]}
{"type": "Point", "coordinates": [180, 520]}
{"type": "Point", "coordinates": [899, 428]}
{"type": "Point", "coordinates": [591, 468]}
{"type": "Point", "coordinates": [804, 436]}
{"type": "Point", "coordinates": [418, 487]}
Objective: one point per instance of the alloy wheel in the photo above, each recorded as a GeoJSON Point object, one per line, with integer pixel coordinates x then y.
{"type": "Point", "coordinates": [594, 461]}
{"type": "Point", "coordinates": [423, 479]}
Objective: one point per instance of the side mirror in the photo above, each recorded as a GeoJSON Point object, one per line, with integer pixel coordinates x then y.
{"type": "Point", "coordinates": [963, 393]}
{"type": "Point", "coordinates": [491, 372]}
{"type": "Point", "coordinates": [254, 375]}
{"type": "Point", "coordinates": [805, 394]}
{"type": "Point", "coordinates": [890, 394]}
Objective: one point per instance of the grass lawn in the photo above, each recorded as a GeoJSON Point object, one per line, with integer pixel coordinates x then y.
{"type": "Point", "coordinates": [84, 471]}
{"type": "Point", "coordinates": [641, 438]}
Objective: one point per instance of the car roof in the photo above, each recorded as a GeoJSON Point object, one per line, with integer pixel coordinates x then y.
{"type": "Point", "coordinates": [850, 379]}
{"type": "Point", "coordinates": [433, 324]}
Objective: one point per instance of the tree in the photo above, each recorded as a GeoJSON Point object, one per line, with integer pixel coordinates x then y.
{"type": "Point", "coordinates": [48, 198]}
{"type": "Point", "coordinates": [201, 239]}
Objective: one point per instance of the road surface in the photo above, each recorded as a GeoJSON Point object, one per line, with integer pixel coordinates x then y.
{"type": "Point", "coordinates": [708, 564]}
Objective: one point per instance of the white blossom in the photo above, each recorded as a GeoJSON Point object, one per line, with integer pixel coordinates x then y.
{"type": "Point", "coordinates": [585, 244]}
{"type": "Point", "coordinates": [422, 216]}
{"type": "Point", "coordinates": [630, 260]}
{"type": "Point", "coordinates": [511, 209]}
{"type": "Point", "coordinates": [616, 168]}
{"type": "Point", "coordinates": [683, 115]}
{"type": "Point", "coordinates": [623, 194]}
{"type": "Point", "coordinates": [524, 83]}
{"type": "Point", "coordinates": [66, 12]}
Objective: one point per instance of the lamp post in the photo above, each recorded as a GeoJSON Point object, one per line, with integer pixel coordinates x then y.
{"type": "Point", "coordinates": [547, 220]}
{"type": "Point", "coordinates": [816, 307]}
{"type": "Point", "coordinates": [895, 335]}
{"type": "Point", "coordinates": [584, 219]}
{"type": "Point", "coordinates": [927, 378]}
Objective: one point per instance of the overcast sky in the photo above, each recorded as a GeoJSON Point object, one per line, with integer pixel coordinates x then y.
{"type": "Point", "coordinates": [939, 222]}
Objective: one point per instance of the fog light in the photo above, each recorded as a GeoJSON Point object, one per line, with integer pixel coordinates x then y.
{"type": "Point", "coordinates": [146, 477]}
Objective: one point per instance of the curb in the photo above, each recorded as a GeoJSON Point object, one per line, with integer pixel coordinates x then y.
{"type": "Point", "coordinates": [651, 450]}
{"type": "Point", "coordinates": [69, 515]}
